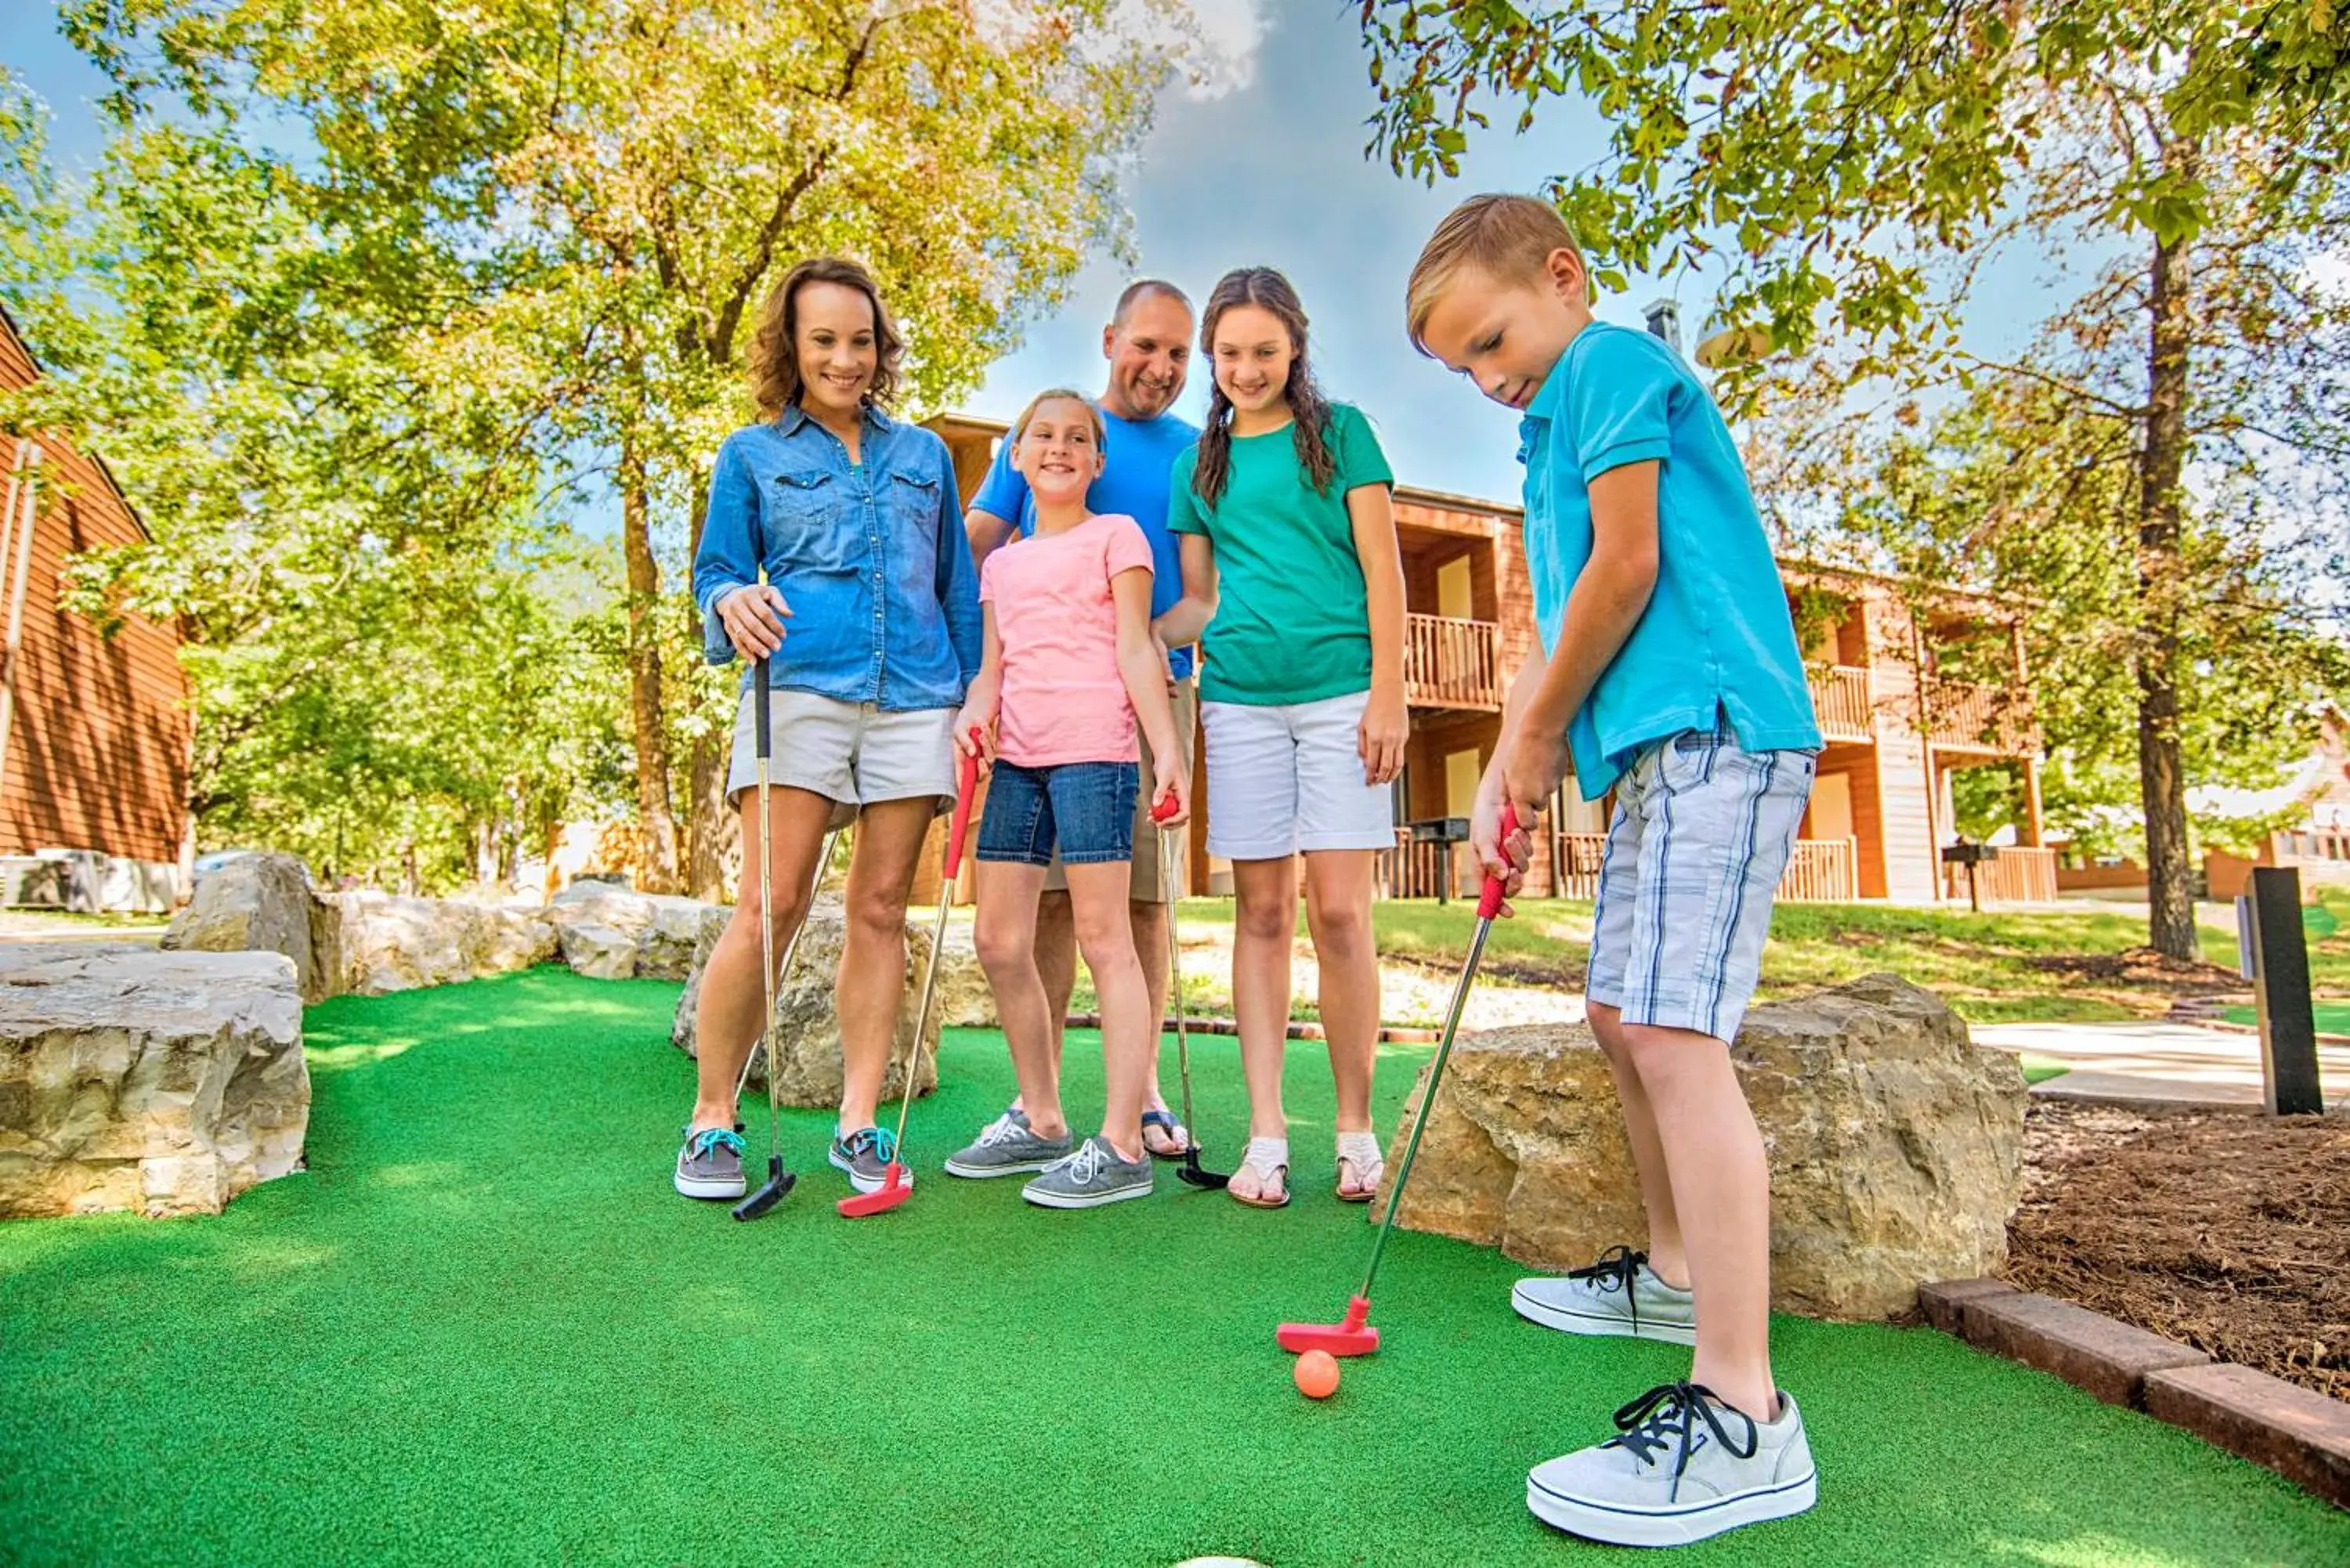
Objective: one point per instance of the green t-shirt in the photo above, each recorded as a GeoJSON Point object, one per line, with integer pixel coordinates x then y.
{"type": "Point", "coordinates": [1293, 624]}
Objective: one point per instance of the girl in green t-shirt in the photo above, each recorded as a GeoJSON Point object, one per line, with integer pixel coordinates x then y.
{"type": "Point", "coordinates": [1291, 571]}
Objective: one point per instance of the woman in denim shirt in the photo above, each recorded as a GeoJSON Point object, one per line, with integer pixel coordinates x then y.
{"type": "Point", "coordinates": [870, 617]}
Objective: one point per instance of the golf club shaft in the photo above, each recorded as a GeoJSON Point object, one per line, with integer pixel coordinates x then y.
{"type": "Point", "coordinates": [966, 786]}
{"type": "Point", "coordinates": [1175, 976]}
{"type": "Point", "coordinates": [1489, 908]}
{"type": "Point", "coordinates": [791, 943]}
{"type": "Point", "coordinates": [762, 726]}
{"type": "Point", "coordinates": [1428, 1102]}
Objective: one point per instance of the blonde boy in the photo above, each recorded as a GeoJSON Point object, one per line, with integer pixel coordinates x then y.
{"type": "Point", "coordinates": [1668, 674]}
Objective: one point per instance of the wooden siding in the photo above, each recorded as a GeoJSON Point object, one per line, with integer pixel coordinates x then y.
{"type": "Point", "coordinates": [99, 744]}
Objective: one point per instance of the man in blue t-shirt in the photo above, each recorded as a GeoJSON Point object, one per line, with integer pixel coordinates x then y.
{"type": "Point", "coordinates": [1148, 345]}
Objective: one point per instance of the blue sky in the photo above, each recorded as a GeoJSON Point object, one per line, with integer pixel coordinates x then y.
{"type": "Point", "coordinates": [1265, 166]}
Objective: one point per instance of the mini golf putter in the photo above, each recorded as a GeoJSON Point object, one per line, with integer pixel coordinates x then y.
{"type": "Point", "coordinates": [1190, 1171]}
{"type": "Point", "coordinates": [897, 1185]}
{"type": "Point", "coordinates": [1355, 1334]}
{"type": "Point", "coordinates": [779, 1180]}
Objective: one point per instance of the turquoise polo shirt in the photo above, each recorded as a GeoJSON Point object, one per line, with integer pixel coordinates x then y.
{"type": "Point", "coordinates": [1717, 638]}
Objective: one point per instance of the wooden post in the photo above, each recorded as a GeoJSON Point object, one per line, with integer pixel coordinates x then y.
{"type": "Point", "coordinates": [2032, 825]}
{"type": "Point", "coordinates": [2281, 987]}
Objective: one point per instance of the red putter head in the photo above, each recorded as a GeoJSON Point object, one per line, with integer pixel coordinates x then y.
{"type": "Point", "coordinates": [1354, 1335]}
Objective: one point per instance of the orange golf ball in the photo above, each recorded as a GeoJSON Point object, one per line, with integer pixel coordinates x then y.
{"type": "Point", "coordinates": [1317, 1375]}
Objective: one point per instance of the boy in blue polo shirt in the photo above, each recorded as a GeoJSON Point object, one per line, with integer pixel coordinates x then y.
{"type": "Point", "coordinates": [1669, 673]}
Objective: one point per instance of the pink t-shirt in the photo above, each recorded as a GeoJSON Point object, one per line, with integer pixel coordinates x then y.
{"type": "Point", "coordinates": [1063, 699]}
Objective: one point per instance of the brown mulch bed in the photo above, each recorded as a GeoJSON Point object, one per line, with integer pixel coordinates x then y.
{"type": "Point", "coordinates": [2143, 966]}
{"type": "Point", "coordinates": [2228, 1231]}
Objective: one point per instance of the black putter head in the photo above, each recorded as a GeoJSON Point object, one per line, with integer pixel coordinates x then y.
{"type": "Point", "coordinates": [1193, 1172]}
{"type": "Point", "coordinates": [779, 1181]}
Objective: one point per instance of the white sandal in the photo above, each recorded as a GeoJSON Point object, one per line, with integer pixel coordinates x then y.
{"type": "Point", "coordinates": [1361, 1150]}
{"type": "Point", "coordinates": [1268, 1160]}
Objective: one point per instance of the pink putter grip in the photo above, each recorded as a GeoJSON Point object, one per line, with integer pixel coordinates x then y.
{"type": "Point", "coordinates": [966, 786]}
{"type": "Point", "coordinates": [1488, 902]}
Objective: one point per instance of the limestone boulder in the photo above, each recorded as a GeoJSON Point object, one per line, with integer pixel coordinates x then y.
{"type": "Point", "coordinates": [804, 1039]}
{"type": "Point", "coordinates": [165, 1081]}
{"type": "Point", "coordinates": [388, 943]}
{"type": "Point", "coordinates": [1896, 1146]}
{"type": "Point", "coordinates": [259, 903]}
{"type": "Point", "coordinates": [503, 938]}
{"type": "Point", "coordinates": [963, 1001]}
{"type": "Point", "coordinates": [613, 934]}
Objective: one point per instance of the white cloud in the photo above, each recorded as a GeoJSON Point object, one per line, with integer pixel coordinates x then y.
{"type": "Point", "coordinates": [1212, 44]}
{"type": "Point", "coordinates": [1229, 34]}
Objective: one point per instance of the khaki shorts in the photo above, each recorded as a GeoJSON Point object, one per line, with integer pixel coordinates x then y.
{"type": "Point", "coordinates": [853, 753]}
{"type": "Point", "coordinates": [1152, 884]}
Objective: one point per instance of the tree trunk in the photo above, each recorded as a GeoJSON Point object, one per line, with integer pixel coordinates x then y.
{"type": "Point", "coordinates": [656, 825]}
{"type": "Point", "coordinates": [710, 829]}
{"type": "Point", "coordinates": [2162, 779]}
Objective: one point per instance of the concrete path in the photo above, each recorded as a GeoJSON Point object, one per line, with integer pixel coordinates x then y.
{"type": "Point", "coordinates": [2157, 1065]}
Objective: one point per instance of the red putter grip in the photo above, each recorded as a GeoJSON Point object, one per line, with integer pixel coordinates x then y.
{"type": "Point", "coordinates": [966, 786]}
{"type": "Point", "coordinates": [1165, 808]}
{"type": "Point", "coordinates": [1488, 902]}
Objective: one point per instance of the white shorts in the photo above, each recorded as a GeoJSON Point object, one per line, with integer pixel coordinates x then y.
{"type": "Point", "coordinates": [1286, 778]}
{"type": "Point", "coordinates": [1702, 835]}
{"type": "Point", "coordinates": [852, 753]}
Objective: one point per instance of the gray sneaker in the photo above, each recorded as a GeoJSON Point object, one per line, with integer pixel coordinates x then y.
{"type": "Point", "coordinates": [710, 1164]}
{"type": "Point", "coordinates": [1092, 1175]}
{"type": "Point", "coordinates": [1008, 1146]}
{"type": "Point", "coordinates": [1617, 1295]}
{"type": "Point", "coordinates": [1681, 1468]}
{"type": "Point", "coordinates": [865, 1157]}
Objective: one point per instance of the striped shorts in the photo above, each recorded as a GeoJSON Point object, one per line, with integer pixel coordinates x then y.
{"type": "Point", "coordinates": [1700, 836]}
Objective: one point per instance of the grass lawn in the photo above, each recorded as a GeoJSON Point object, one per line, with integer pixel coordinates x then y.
{"type": "Point", "coordinates": [2333, 1017]}
{"type": "Point", "coordinates": [1992, 967]}
{"type": "Point", "coordinates": [481, 1329]}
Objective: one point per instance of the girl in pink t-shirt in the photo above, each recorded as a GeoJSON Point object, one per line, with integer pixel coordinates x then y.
{"type": "Point", "coordinates": [1070, 668]}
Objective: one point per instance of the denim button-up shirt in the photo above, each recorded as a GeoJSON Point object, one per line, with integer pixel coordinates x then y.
{"type": "Point", "coordinates": [871, 557]}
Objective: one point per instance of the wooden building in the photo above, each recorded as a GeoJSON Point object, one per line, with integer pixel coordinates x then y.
{"type": "Point", "coordinates": [95, 729]}
{"type": "Point", "coordinates": [1884, 658]}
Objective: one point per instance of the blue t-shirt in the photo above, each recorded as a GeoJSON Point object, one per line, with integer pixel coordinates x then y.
{"type": "Point", "coordinates": [1138, 455]}
{"type": "Point", "coordinates": [1717, 638]}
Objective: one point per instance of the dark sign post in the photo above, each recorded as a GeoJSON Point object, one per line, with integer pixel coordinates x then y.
{"type": "Point", "coordinates": [2279, 965]}
{"type": "Point", "coordinates": [1969, 856]}
{"type": "Point", "coordinates": [1447, 831]}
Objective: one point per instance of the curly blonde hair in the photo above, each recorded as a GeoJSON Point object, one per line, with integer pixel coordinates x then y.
{"type": "Point", "coordinates": [775, 379]}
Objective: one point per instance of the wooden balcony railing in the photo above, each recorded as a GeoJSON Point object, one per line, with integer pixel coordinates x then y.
{"type": "Point", "coordinates": [2020, 876]}
{"type": "Point", "coordinates": [1821, 871]}
{"type": "Point", "coordinates": [1845, 703]}
{"type": "Point", "coordinates": [1449, 662]}
{"type": "Point", "coordinates": [1981, 719]}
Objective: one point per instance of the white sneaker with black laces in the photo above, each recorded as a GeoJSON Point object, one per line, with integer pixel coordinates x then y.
{"type": "Point", "coordinates": [1620, 1295]}
{"type": "Point", "coordinates": [1681, 1468]}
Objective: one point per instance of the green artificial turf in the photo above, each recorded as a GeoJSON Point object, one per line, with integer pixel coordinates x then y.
{"type": "Point", "coordinates": [481, 1329]}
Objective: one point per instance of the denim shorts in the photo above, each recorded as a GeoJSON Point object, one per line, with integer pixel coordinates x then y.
{"type": "Point", "coordinates": [1702, 833]}
{"type": "Point", "coordinates": [1085, 808]}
